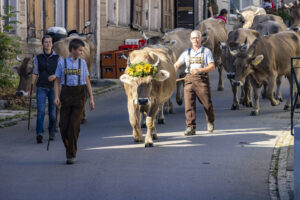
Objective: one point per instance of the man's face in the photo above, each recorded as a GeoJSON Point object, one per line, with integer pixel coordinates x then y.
{"type": "Point", "coordinates": [196, 40]}
{"type": "Point", "coordinates": [77, 52]}
{"type": "Point", "coordinates": [47, 44]}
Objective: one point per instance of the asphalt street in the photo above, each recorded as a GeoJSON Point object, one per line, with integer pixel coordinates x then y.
{"type": "Point", "coordinates": [232, 163]}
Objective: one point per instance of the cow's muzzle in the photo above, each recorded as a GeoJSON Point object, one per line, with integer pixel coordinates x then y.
{"type": "Point", "coordinates": [21, 93]}
{"type": "Point", "coordinates": [143, 101]}
{"type": "Point", "coordinates": [237, 83]}
{"type": "Point", "coordinates": [230, 75]}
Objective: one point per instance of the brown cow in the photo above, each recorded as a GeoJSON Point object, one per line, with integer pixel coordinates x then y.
{"type": "Point", "coordinates": [147, 94]}
{"type": "Point", "coordinates": [214, 32]}
{"type": "Point", "coordinates": [294, 9]}
{"type": "Point", "coordinates": [265, 61]}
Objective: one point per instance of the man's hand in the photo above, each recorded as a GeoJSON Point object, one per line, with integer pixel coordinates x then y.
{"type": "Point", "coordinates": [57, 101]}
{"type": "Point", "coordinates": [92, 104]}
{"type": "Point", "coordinates": [51, 78]}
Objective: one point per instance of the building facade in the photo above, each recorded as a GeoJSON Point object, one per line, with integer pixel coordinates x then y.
{"type": "Point", "coordinates": [112, 21]}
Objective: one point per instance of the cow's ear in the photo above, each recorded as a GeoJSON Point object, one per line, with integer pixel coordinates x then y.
{"type": "Point", "coordinates": [162, 75]}
{"type": "Point", "coordinates": [255, 33]}
{"type": "Point", "coordinates": [171, 44]}
{"type": "Point", "coordinates": [257, 60]}
{"type": "Point", "coordinates": [125, 78]}
{"type": "Point", "coordinates": [15, 69]}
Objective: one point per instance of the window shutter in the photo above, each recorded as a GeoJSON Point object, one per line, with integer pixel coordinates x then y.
{"type": "Point", "coordinates": [137, 13]}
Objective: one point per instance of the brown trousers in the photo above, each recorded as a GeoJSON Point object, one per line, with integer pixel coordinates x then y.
{"type": "Point", "coordinates": [197, 86]}
{"type": "Point", "coordinates": [72, 103]}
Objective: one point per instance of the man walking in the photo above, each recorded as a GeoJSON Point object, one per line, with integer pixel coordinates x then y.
{"type": "Point", "coordinates": [199, 62]}
{"type": "Point", "coordinates": [43, 76]}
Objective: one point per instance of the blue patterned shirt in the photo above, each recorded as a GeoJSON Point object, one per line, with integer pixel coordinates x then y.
{"type": "Point", "coordinates": [72, 80]}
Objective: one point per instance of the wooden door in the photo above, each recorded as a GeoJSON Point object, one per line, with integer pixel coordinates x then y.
{"type": "Point", "coordinates": [78, 12]}
{"type": "Point", "coordinates": [34, 18]}
{"type": "Point", "coordinates": [185, 14]}
{"type": "Point", "coordinates": [49, 14]}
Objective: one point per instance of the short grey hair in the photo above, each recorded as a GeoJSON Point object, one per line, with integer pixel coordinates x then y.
{"type": "Point", "coordinates": [197, 32]}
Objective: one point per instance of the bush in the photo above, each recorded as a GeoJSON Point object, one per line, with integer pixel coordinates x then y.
{"type": "Point", "coordinates": [9, 49]}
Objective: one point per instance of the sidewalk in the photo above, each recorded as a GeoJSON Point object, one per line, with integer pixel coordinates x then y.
{"type": "Point", "coordinates": [12, 117]}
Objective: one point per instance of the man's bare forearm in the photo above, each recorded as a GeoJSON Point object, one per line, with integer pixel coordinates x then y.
{"type": "Point", "coordinates": [56, 87]}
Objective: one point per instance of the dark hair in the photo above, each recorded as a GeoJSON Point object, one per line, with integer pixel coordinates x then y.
{"type": "Point", "coordinates": [75, 44]}
{"type": "Point", "coordinates": [46, 36]}
{"type": "Point", "coordinates": [223, 12]}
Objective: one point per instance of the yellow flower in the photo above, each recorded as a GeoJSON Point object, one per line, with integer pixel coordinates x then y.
{"type": "Point", "coordinates": [130, 71]}
{"type": "Point", "coordinates": [147, 68]}
{"type": "Point", "coordinates": [139, 68]}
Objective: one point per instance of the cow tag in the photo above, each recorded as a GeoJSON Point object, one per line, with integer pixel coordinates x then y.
{"type": "Point", "coordinates": [125, 78]}
{"type": "Point", "coordinates": [162, 75]}
{"type": "Point", "coordinates": [257, 60]}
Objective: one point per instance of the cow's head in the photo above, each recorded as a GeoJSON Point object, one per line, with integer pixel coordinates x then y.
{"type": "Point", "coordinates": [294, 9]}
{"type": "Point", "coordinates": [245, 63]}
{"type": "Point", "coordinates": [25, 73]}
{"type": "Point", "coordinates": [141, 88]}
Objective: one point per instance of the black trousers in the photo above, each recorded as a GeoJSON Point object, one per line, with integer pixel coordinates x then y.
{"type": "Point", "coordinates": [73, 100]}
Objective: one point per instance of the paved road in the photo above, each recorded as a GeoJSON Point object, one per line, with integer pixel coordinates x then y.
{"type": "Point", "coordinates": [232, 163]}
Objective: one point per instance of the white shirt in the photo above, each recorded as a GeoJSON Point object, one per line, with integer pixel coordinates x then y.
{"type": "Point", "coordinates": [197, 58]}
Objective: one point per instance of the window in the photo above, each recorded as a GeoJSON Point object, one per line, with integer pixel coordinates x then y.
{"type": "Point", "coordinates": [239, 4]}
{"type": "Point", "coordinates": [118, 12]}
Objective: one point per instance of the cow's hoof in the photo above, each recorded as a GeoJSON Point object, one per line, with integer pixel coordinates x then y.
{"type": "Point", "coordinates": [83, 121]}
{"type": "Point", "coordinates": [249, 104]}
{"type": "Point", "coordinates": [287, 107]}
{"type": "Point", "coordinates": [254, 113]}
{"type": "Point", "coordinates": [275, 103]}
{"type": "Point", "coordinates": [137, 140]}
{"type": "Point", "coordinates": [149, 145]}
{"type": "Point", "coordinates": [143, 125]}
{"type": "Point", "coordinates": [280, 99]}
{"type": "Point", "coordinates": [235, 107]}
{"type": "Point", "coordinates": [154, 137]}
{"type": "Point", "coordinates": [220, 88]}
{"type": "Point", "coordinates": [179, 101]}
{"type": "Point", "coordinates": [161, 121]}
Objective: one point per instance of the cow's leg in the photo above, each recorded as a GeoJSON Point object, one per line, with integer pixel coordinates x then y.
{"type": "Point", "coordinates": [287, 105]}
{"type": "Point", "coordinates": [178, 92]}
{"type": "Point", "coordinates": [220, 84]}
{"type": "Point", "coordinates": [278, 92]}
{"type": "Point", "coordinates": [247, 93]}
{"type": "Point", "coordinates": [135, 121]}
{"type": "Point", "coordinates": [150, 122]}
{"type": "Point", "coordinates": [264, 91]}
{"type": "Point", "coordinates": [270, 91]}
{"type": "Point", "coordinates": [161, 117]}
{"type": "Point", "coordinates": [171, 107]}
{"type": "Point", "coordinates": [256, 106]}
{"type": "Point", "coordinates": [143, 123]}
{"type": "Point", "coordinates": [235, 103]}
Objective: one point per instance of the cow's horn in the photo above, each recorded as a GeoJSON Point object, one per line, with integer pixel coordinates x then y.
{"type": "Point", "coordinates": [256, 12]}
{"type": "Point", "coordinates": [234, 52]}
{"type": "Point", "coordinates": [164, 36]}
{"type": "Point", "coordinates": [237, 11]}
{"type": "Point", "coordinates": [18, 59]}
{"type": "Point", "coordinates": [157, 63]}
{"type": "Point", "coordinates": [144, 35]}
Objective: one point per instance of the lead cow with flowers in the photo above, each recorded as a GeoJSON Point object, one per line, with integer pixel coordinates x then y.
{"type": "Point", "coordinates": [149, 81]}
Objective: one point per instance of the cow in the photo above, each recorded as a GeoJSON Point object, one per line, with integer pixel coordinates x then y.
{"type": "Point", "coordinates": [214, 31]}
{"type": "Point", "coordinates": [147, 94]}
{"type": "Point", "coordinates": [268, 17]}
{"type": "Point", "coordinates": [61, 48]}
{"type": "Point", "coordinates": [269, 27]}
{"type": "Point", "coordinates": [246, 16]}
{"type": "Point", "coordinates": [182, 38]}
{"type": "Point", "coordinates": [264, 62]}
{"type": "Point", "coordinates": [237, 41]}
{"type": "Point", "coordinates": [294, 9]}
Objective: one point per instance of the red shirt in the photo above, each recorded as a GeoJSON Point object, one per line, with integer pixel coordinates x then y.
{"type": "Point", "coordinates": [222, 18]}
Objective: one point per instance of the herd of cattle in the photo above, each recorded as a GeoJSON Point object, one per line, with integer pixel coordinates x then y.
{"type": "Point", "coordinates": [256, 53]}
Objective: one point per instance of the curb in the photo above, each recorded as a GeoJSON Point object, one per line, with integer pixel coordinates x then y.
{"type": "Point", "coordinates": [278, 180]}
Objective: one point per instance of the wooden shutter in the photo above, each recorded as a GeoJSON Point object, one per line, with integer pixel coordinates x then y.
{"type": "Point", "coordinates": [167, 15]}
{"type": "Point", "coordinates": [137, 12]}
{"type": "Point", "coordinates": [155, 15]}
{"type": "Point", "coordinates": [49, 13]}
{"type": "Point", "coordinates": [124, 12]}
{"type": "Point", "coordinates": [112, 11]}
{"type": "Point", "coordinates": [78, 12]}
{"type": "Point", "coordinates": [34, 18]}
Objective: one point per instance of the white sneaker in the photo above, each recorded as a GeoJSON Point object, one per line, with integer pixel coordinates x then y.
{"type": "Point", "coordinates": [210, 127]}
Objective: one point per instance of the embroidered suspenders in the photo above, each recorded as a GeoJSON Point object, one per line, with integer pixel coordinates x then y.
{"type": "Point", "coordinates": [194, 60]}
{"type": "Point", "coordinates": [72, 71]}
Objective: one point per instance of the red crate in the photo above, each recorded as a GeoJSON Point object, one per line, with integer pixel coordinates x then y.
{"type": "Point", "coordinates": [108, 58]}
{"type": "Point", "coordinates": [129, 47]}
